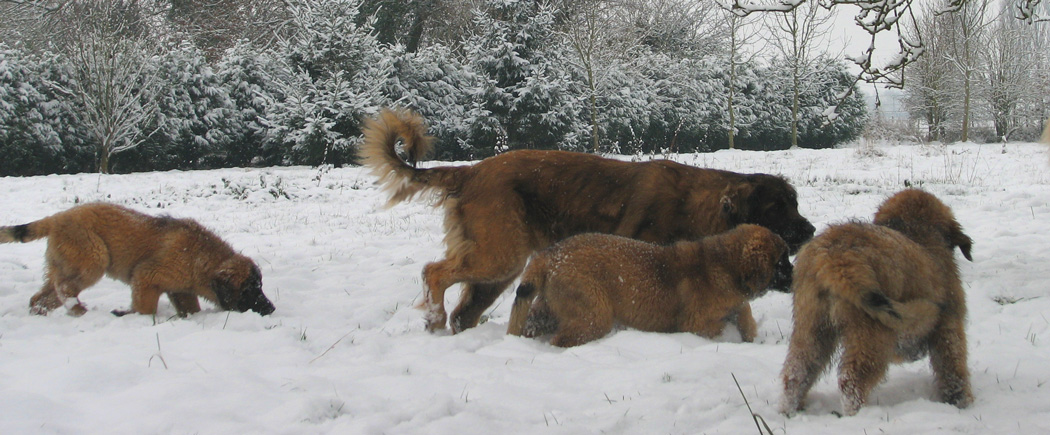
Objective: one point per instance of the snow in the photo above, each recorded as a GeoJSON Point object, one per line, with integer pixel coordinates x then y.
{"type": "Point", "coordinates": [346, 352]}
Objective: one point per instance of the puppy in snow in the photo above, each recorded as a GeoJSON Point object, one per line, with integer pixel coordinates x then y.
{"type": "Point", "coordinates": [587, 283]}
{"type": "Point", "coordinates": [885, 292]}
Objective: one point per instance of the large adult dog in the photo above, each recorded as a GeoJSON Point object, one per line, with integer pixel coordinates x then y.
{"type": "Point", "coordinates": [155, 255]}
{"type": "Point", "coordinates": [588, 283]}
{"type": "Point", "coordinates": [888, 292]}
{"type": "Point", "coordinates": [502, 209]}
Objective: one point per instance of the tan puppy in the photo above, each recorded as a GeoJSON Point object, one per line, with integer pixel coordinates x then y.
{"type": "Point", "coordinates": [591, 281]}
{"type": "Point", "coordinates": [887, 292]}
{"type": "Point", "coordinates": [156, 255]}
{"type": "Point", "coordinates": [502, 209]}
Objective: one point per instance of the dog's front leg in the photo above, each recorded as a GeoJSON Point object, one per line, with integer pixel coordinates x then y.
{"type": "Point", "coordinates": [184, 303]}
{"type": "Point", "coordinates": [144, 299]}
{"type": "Point", "coordinates": [745, 323]}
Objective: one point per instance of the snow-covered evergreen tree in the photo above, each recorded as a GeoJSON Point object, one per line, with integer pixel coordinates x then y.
{"type": "Point", "coordinates": [39, 131]}
{"type": "Point", "coordinates": [248, 76]}
{"type": "Point", "coordinates": [434, 83]}
{"type": "Point", "coordinates": [525, 97]}
{"type": "Point", "coordinates": [334, 76]}
{"type": "Point", "coordinates": [195, 116]}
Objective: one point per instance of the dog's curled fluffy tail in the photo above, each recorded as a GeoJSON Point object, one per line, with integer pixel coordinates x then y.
{"type": "Point", "coordinates": [914, 317]}
{"type": "Point", "coordinates": [25, 232]}
{"type": "Point", "coordinates": [532, 281]}
{"type": "Point", "coordinates": [400, 177]}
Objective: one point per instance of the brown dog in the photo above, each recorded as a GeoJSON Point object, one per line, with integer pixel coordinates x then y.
{"type": "Point", "coordinates": [502, 209]}
{"type": "Point", "coordinates": [591, 281]}
{"type": "Point", "coordinates": [154, 255]}
{"type": "Point", "coordinates": [887, 292]}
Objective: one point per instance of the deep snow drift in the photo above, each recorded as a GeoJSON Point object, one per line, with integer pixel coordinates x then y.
{"type": "Point", "coordinates": [346, 352]}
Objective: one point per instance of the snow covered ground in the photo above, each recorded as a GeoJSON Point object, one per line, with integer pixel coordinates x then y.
{"type": "Point", "coordinates": [346, 352]}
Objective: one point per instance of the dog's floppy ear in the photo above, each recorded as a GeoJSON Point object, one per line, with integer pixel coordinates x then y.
{"type": "Point", "coordinates": [223, 288]}
{"type": "Point", "coordinates": [960, 239]}
{"type": "Point", "coordinates": [734, 202]}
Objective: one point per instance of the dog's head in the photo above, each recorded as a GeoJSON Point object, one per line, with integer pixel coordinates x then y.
{"type": "Point", "coordinates": [238, 286]}
{"type": "Point", "coordinates": [925, 219]}
{"type": "Point", "coordinates": [771, 202]}
{"type": "Point", "coordinates": [763, 262]}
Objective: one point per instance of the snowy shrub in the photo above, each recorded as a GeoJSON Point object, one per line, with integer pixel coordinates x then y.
{"type": "Point", "coordinates": [39, 131]}
{"type": "Point", "coordinates": [523, 99]}
{"type": "Point", "coordinates": [195, 120]}
{"type": "Point", "coordinates": [333, 78]}
{"type": "Point", "coordinates": [432, 82]}
{"type": "Point", "coordinates": [249, 77]}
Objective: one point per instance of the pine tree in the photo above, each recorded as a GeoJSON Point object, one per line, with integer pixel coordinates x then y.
{"type": "Point", "coordinates": [192, 128]}
{"type": "Point", "coordinates": [524, 99]}
{"type": "Point", "coordinates": [333, 78]}
{"type": "Point", "coordinates": [248, 76]}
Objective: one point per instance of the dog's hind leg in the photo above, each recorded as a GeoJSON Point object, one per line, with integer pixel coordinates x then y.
{"type": "Point", "coordinates": [812, 345]}
{"type": "Point", "coordinates": [866, 353]}
{"type": "Point", "coordinates": [76, 260]}
{"type": "Point", "coordinates": [45, 300]}
{"type": "Point", "coordinates": [63, 287]}
{"type": "Point", "coordinates": [488, 260]}
{"type": "Point", "coordinates": [948, 360]}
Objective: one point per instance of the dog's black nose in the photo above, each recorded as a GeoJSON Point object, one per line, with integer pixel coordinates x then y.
{"type": "Point", "coordinates": [263, 306]}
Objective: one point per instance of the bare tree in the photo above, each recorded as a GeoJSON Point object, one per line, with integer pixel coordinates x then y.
{"type": "Point", "coordinates": [595, 30]}
{"type": "Point", "coordinates": [882, 17]}
{"type": "Point", "coordinates": [215, 26]}
{"type": "Point", "coordinates": [795, 34]}
{"type": "Point", "coordinates": [1011, 58]}
{"type": "Point", "coordinates": [928, 91]}
{"type": "Point", "coordinates": [740, 30]}
{"type": "Point", "coordinates": [114, 82]}
{"type": "Point", "coordinates": [967, 30]}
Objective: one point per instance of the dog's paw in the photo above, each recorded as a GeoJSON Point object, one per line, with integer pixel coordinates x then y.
{"type": "Point", "coordinates": [76, 310]}
{"type": "Point", "coordinates": [121, 313]}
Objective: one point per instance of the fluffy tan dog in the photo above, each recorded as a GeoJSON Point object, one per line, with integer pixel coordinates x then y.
{"type": "Point", "coordinates": [887, 292]}
{"type": "Point", "coordinates": [589, 282]}
{"type": "Point", "coordinates": [502, 209]}
{"type": "Point", "coordinates": [155, 255]}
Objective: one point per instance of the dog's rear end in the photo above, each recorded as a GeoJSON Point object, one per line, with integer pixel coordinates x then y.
{"type": "Point", "coordinates": [885, 295]}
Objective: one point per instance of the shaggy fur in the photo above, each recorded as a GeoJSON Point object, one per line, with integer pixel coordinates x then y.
{"type": "Point", "coordinates": [887, 292]}
{"type": "Point", "coordinates": [589, 282]}
{"type": "Point", "coordinates": [155, 255]}
{"type": "Point", "coordinates": [502, 209]}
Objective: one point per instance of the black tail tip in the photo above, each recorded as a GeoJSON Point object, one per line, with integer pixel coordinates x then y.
{"type": "Point", "coordinates": [20, 232]}
{"type": "Point", "coordinates": [880, 302]}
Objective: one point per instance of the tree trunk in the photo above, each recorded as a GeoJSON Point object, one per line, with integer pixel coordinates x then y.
{"type": "Point", "coordinates": [794, 112]}
{"type": "Point", "coordinates": [594, 108]}
{"type": "Point", "coordinates": [966, 109]}
{"type": "Point", "coordinates": [103, 160]}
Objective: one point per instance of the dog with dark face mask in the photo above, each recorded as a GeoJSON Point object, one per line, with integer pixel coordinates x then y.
{"type": "Point", "coordinates": [501, 210]}
{"type": "Point", "coordinates": [155, 255]}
